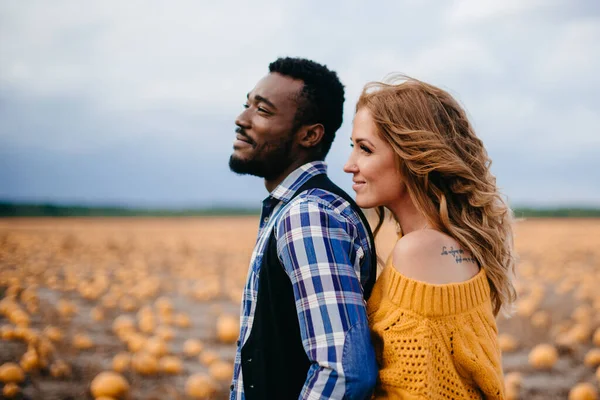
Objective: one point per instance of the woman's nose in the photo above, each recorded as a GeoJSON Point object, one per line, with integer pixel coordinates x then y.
{"type": "Point", "coordinates": [350, 166]}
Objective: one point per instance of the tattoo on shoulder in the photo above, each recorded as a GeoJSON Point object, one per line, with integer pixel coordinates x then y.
{"type": "Point", "coordinates": [459, 255]}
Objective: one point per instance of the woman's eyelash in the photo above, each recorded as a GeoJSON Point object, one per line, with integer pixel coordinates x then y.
{"type": "Point", "coordinates": [362, 147]}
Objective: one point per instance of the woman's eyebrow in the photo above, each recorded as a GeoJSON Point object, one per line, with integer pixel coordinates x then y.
{"type": "Point", "coordinates": [365, 140]}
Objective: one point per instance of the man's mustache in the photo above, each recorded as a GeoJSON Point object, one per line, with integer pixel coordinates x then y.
{"type": "Point", "coordinates": [241, 131]}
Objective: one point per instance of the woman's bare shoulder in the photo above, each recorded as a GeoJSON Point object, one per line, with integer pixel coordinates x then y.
{"type": "Point", "coordinates": [433, 257]}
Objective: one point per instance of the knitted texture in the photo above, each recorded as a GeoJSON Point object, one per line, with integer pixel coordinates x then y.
{"type": "Point", "coordinates": [434, 341]}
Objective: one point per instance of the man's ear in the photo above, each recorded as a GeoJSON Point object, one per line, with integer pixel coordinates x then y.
{"type": "Point", "coordinates": [311, 135]}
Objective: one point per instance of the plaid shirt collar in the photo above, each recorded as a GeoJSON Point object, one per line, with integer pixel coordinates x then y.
{"type": "Point", "coordinates": [286, 189]}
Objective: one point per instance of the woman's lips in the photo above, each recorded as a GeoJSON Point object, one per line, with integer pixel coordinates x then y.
{"type": "Point", "coordinates": [358, 185]}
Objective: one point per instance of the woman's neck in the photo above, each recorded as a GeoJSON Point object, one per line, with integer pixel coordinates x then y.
{"type": "Point", "coordinates": [407, 216]}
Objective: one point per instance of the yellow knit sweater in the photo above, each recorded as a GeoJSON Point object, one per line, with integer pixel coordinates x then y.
{"type": "Point", "coordinates": [434, 341]}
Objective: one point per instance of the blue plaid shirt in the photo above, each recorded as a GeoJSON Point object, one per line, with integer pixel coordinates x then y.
{"type": "Point", "coordinates": [325, 250]}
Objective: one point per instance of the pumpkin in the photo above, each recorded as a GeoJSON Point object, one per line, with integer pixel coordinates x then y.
{"type": "Point", "coordinates": [164, 305]}
{"type": "Point", "coordinates": [583, 391]}
{"type": "Point", "coordinates": [208, 357]}
{"type": "Point", "coordinates": [200, 386]}
{"type": "Point", "coordinates": [507, 343]}
{"type": "Point", "coordinates": [165, 333]}
{"type": "Point", "coordinates": [543, 356]}
{"type": "Point", "coordinates": [512, 393]}
{"type": "Point", "coordinates": [7, 332]}
{"type": "Point", "coordinates": [128, 304]}
{"type": "Point", "coordinates": [60, 369]}
{"type": "Point", "coordinates": [121, 361]}
{"type": "Point", "coordinates": [53, 333]}
{"type": "Point", "coordinates": [592, 358]}
{"type": "Point", "coordinates": [182, 320]}
{"type": "Point", "coordinates": [45, 349]}
{"type": "Point", "coordinates": [135, 342]}
{"type": "Point", "coordinates": [580, 333]}
{"type": "Point", "coordinates": [583, 314]}
{"type": "Point", "coordinates": [170, 365]}
{"type": "Point", "coordinates": [82, 342]}
{"type": "Point", "coordinates": [97, 314]}
{"type": "Point", "coordinates": [192, 347]}
{"type": "Point", "coordinates": [110, 384]}
{"type": "Point", "coordinates": [66, 309]}
{"type": "Point", "coordinates": [221, 370]}
{"type": "Point", "coordinates": [156, 346]}
{"type": "Point", "coordinates": [10, 390]}
{"type": "Point", "coordinates": [30, 360]}
{"type": "Point", "coordinates": [144, 363]}
{"type": "Point", "coordinates": [596, 338]}
{"type": "Point", "coordinates": [513, 379]}
{"type": "Point", "coordinates": [147, 323]}
{"type": "Point", "coordinates": [11, 372]}
{"type": "Point", "coordinates": [123, 323]}
{"type": "Point", "coordinates": [228, 328]}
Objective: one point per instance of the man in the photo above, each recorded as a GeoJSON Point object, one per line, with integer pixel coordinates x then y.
{"type": "Point", "coordinates": [304, 330]}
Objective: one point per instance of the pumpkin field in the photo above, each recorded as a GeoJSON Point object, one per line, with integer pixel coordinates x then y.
{"type": "Point", "coordinates": [148, 308]}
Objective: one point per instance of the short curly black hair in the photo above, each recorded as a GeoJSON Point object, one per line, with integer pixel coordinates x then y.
{"type": "Point", "coordinates": [321, 99]}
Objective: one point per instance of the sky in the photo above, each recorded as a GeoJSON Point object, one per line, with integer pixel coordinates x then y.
{"type": "Point", "coordinates": [133, 103]}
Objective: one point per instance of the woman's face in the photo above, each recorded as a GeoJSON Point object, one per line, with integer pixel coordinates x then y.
{"type": "Point", "coordinates": [377, 180]}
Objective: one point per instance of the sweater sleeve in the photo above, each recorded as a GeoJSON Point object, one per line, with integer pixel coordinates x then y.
{"type": "Point", "coordinates": [477, 354]}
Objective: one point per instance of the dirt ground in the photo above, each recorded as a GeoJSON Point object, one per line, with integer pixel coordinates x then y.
{"type": "Point", "coordinates": [199, 265]}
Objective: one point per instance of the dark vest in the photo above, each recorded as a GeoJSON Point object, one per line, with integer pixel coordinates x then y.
{"type": "Point", "coordinates": [274, 363]}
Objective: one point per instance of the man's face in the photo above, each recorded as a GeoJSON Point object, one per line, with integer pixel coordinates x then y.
{"type": "Point", "coordinates": [265, 138]}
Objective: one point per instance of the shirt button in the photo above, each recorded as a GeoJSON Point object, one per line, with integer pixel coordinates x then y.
{"type": "Point", "coordinates": [266, 219]}
{"type": "Point", "coordinates": [251, 386]}
{"type": "Point", "coordinates": [249, 360]}
{"type": "Point", "coordinates": [231, 387]}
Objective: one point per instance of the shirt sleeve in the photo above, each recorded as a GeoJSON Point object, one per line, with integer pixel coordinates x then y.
{"type": "Point", "coordinates": [319, 249]}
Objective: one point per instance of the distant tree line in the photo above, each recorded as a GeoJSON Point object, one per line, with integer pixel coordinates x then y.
{"type": "Point", "coordinates": [8, 209]}
{"type": "Point", "coordinates": [562, 212]}
{"type": "Point", "coordinates": [51, 210]}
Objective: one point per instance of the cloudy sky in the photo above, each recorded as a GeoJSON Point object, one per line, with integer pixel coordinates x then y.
{"type": "Point", "coordinates": [133, 102]}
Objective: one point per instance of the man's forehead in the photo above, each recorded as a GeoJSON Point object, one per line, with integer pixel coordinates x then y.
{"type": "Point", "coordinates": [278, 88]}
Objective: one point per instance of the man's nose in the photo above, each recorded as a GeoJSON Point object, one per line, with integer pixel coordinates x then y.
{"type": "Point", "coordinates": [242, 120]}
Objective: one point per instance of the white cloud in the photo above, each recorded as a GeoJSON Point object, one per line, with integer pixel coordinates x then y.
{"type": "Point", "coordinates": [92, 76]}
{"type": "Point", "coordinates": [481, 11]}
{"type": "Point", "coordinates": [574, 57]}
{"type": "Point", "coordinates": [139, 53]}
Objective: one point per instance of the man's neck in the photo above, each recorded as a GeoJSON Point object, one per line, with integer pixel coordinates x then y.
{"type": "Point", "coordinates": [273, 183]}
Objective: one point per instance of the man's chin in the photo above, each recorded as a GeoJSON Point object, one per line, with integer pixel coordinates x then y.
{"type": "Point", "coordinates": [242, 166]}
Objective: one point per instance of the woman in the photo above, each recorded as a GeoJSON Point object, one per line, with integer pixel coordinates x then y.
{"type": "Point", "coordinates": [432, 310]}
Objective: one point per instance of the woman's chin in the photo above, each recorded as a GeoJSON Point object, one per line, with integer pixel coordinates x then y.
{"type": "Point", "coordinates": [364, 203]}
